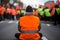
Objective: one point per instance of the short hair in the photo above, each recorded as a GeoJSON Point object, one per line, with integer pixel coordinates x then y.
{"type": "Point", "coordinates": [29, 9]}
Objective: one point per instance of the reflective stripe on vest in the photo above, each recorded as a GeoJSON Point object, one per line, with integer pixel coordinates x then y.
{"type": "Point", "coordinates": [29, 31]}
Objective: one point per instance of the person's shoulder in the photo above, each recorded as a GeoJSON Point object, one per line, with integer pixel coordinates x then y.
{"type": "Point", "coordinates": [22, 17]}
{"type": "Point", "coordinates": [36, 17]}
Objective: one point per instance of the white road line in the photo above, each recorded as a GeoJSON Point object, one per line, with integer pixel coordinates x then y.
{"type": "Point", "coordinates": [48, 24]}
{"type": "Point", "coordinates": [16, 22]}
{"type": "Point", "coordinates": [11, 22]}
{"type": "Point", "coordinates": [44, 38]}
{"type": "Point", "coordinates": [1, 21]}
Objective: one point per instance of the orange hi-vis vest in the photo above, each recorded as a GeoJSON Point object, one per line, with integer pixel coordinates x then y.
{"type": "Point", "coordinates": [8, 10]}
{"type": "Point", "coordinates": [2, 9]}
{"type": "Point", "coordinates": [13, 12]}
{"type": "Point", "coordinates": [28, 24]}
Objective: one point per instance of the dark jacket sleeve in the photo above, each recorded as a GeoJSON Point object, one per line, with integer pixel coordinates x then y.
{"type": "Point", "coordinates": [19, 27]}
{"type": "Point", "coordinates": [39, 27]}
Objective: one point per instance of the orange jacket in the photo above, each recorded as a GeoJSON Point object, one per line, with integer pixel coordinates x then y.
{"type": "Point", "coordinates": [8, 10]}
{"type": "Point", "coordinates": [34, 36]}
{"type": "Point", "coordinates": [13, 12]}
{"type": "Point", "coordinates": [2, 9]}
{"type": "Point", "coordinates": [33, 23]}
{"type": "Point", "coordinates": [28, 23]}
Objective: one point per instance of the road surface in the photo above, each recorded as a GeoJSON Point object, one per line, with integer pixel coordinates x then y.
{"type": "Point", "coordinates": [8, 29]}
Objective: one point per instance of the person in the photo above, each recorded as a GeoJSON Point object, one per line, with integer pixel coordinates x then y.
{"type": "Point", "coordinates": [52, 13]}
{"type": "Point", "coordinates": [13, 12]}
{"type": "Point", "coordinates": [35, 12]}
{"type": "Point", "coordinates": [47, 14]}
{"type": "Point", "coordinates": [56, 15]}
{"type": "Point", "coordinates": [2, 10]}
{"type": "Point", "coordinates": [17, 15]}
{"type": "Point", "coordinates": [8, 4]}
{"type": "Point", "coordinates": [22, 12]}
{"type": "Point", "coordinates": [52, 10]}
{"type": "Point", "coordinates": [59, 15]}
{"type": "Point", "coordinates": [41, 12]}
{"type": "Point", "coordinates": [8, 12]}
{"type": "Point", "coordinates": [29, 26]}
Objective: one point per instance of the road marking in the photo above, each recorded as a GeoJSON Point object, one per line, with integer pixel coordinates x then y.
{"type": "Point", "coordinates": [42, 24]}
{"type": "Point", "coordinates": [10, 21]}
{"type": "Point", "coordinates": [44, 38]}
{"type": "Point", "coordinates": [48, 24]}
{"type": "Point", "coordinates": [13, 22]}
{"type": "Point", "coordinates": [16, 22]}
{"type": "Point", "coordinates": [1, 21]}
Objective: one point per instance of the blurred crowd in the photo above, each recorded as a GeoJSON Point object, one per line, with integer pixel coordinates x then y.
{"type": "Point", "coordinates": [10, 12]}
{"type": "Point", "coordinates": [47, 13]}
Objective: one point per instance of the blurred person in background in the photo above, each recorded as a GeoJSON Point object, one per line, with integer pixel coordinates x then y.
{"type": "Point", "coordinates": [47, 14]}
{"type": "Point", "coordinates": [18, 14]}
{"type": "Point", "coordinates": [2, 10]}
{"type": "Point", "coordinates": [41, 12]}
{"type": "Point", "coordinates": [57, 15]}
{"type": "Point", "coordinates": [8, 12]}
{"type": "Point", "coordinates": [59, 12]}
{"type": "Point", "coordinates": [22, 13]}
{"type": "Point", "coordinates": [13, 12]}
{"type": "Point", "coordinates": [52, 10]}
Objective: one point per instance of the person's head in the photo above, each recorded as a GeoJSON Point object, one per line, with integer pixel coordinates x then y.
{"type": "Point", "coordinates": [29, 10]}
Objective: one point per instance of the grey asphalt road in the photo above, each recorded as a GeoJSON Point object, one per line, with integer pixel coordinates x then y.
{"type": "Point", "coordinates": [9, 28]}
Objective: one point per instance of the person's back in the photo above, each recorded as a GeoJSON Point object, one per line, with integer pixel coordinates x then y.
{"type": "Point", "coordinates": [30, 22]}
{"type": "Point", "coordinates": [29, 26]}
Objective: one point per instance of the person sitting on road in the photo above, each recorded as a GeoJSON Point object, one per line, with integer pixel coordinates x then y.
{"type": "Point", "coordinates": [29, 26]}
